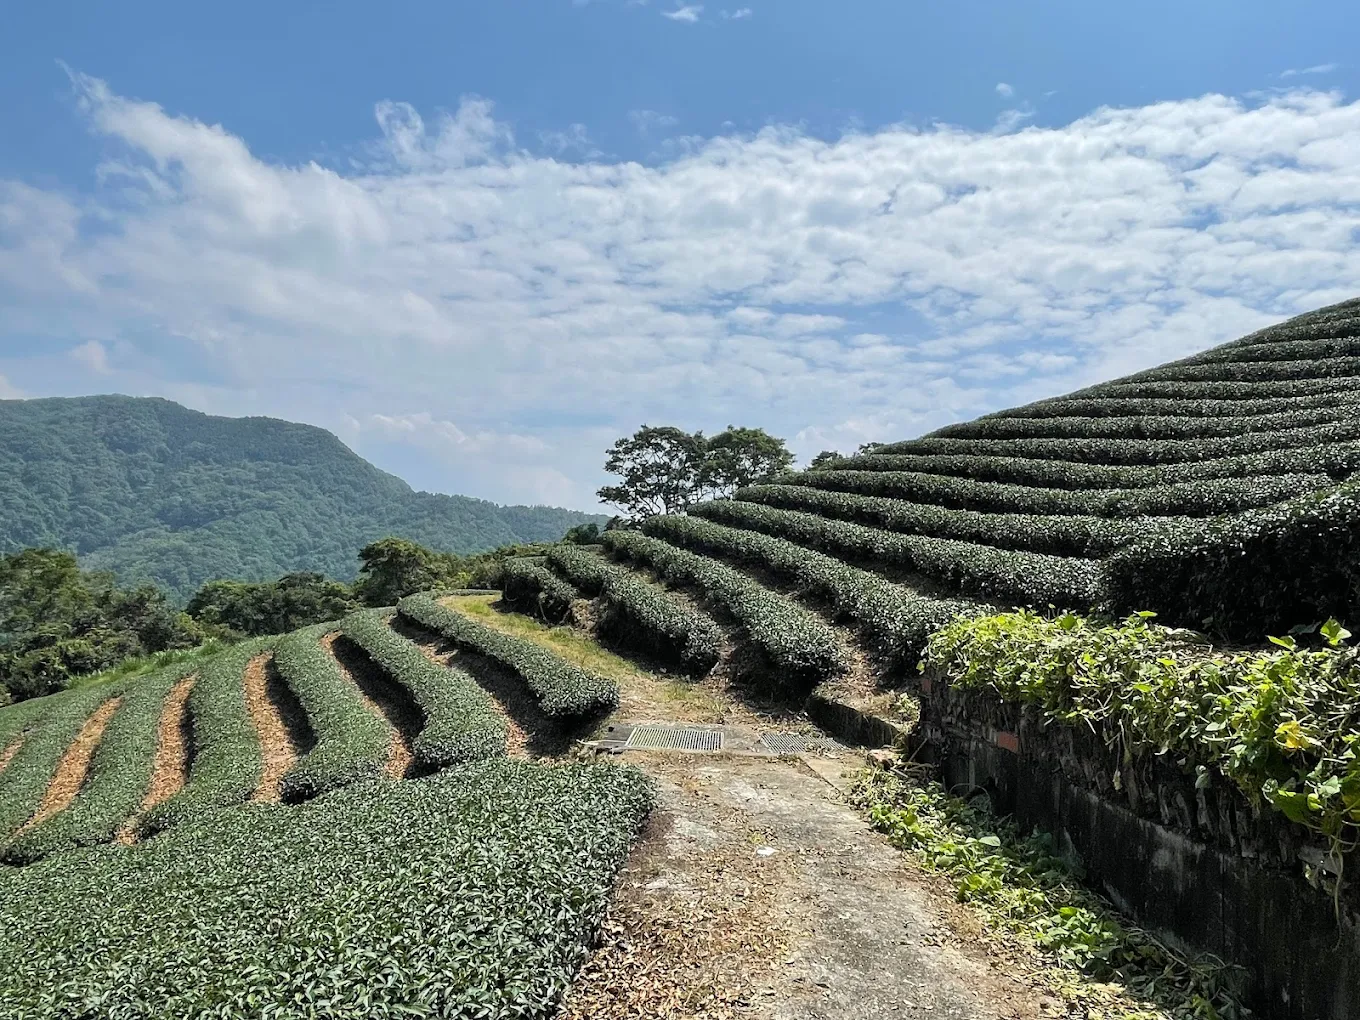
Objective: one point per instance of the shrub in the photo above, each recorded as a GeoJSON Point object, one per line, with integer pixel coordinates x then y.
{"type": "Point", "coordinates": [1280, 724]}
{"type": "Point", "coordinates": [226, 765]}
{"type": "Point", "coordinates": [1043, 533]}
{"type": "Point", "coordinates": [1337, 460]}
{"type": "Point", "coordinates": [51, 729]}
{"type": "Point", "coordinates": [119, 776]}
{"type": "Point", "coordinates": [636, 613]}
{"type": "Point", "coordinates": [474, 893]}
{"type": "Point", "coordinates": [981, 570]}
{"type": "Point", "coordinates": [1209, 390]}
{"type": "Point", "coordinates": [793, 638]}
{"type": "Point", "coordinates": [1177, 407]}
{"type": "Point", "coordinates": [1251, 573]}
{"type": "Point", "coordinates": [461, 723]}
{"type": "Point", "coordinates": [1136, 451]}
{"type": "Point", "coordinates": [352, 743]}
{"type": "Point", "coordinates": [560, 688]}
{"type": "Point", "coordinates": [1305, 368]}
{"type": "Point", "coordinates": [897, 619]}
{"type": "Point", "coordinates": [1184, 499]}
{"type": "Point", "coordinates": [1175, 426]}
{"type": "Point", "coordinates": [527, 582]}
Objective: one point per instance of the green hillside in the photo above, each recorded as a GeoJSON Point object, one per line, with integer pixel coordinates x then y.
{"type": "Point", "coordinates": [152, 490]}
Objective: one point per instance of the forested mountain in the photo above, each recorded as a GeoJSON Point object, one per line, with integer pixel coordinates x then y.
{"type": "Point", "coordinates": [154, 491]}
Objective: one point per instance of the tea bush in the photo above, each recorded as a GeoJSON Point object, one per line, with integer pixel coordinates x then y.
{"type": "Point", "coordinates": [527, 583]}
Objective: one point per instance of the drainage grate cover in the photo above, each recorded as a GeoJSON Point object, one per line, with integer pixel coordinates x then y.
{"type": "Point", "coordinates": [674, 738]}
{"type": "Point", "coordinates": [796, 743]}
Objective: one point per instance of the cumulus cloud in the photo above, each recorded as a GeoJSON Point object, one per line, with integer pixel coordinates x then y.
{"type": "Point", "coordinates": [574, 139]}
{"type": "Point", "coordinates": [740, 14]}
{"type": "Point", "coordinates": [502, 315]}
{"type": "Point", "coordinates": [689, 13]}
{"type": "Point", "coordinates": [1295, 72]}
{"type": "Point", "coordinates": [8, 391]}
{"type": "Point", "coordinates": [647, 121]}
{"type": "Point", "coordinates": [1004, 91]}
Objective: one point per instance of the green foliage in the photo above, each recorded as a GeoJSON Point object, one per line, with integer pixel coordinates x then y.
{"type": "Point", "coordinates": [529, 587]}
{"type": "Point", "coordinates": [470, 894]}
{"type": "Point", "coordinates": [461, 723]}
{"type": "Point", "coordinates": [47, 733]}
{"type": "Point", "coordinates": [897, 619]}
{"type": "Point", "coordinates": [665, 469]}
{"type": "Point", "coordinates": [638, 614]}
{"type": "Point", "coordinates": [58, 622]}
{"type": "Point", "coordinates": [560, 688]}
{"type": "Point", "coordinates": [1250, 573]}
{"type": "Point", "coordinates": [793, 638]}
{"type": "Point", "coordinates": [156, 492]}
{"type": "Point", "coordinates": [1187, 406]}
{"type": "Point", "coordinates": [226, 764]}
{"type": "Point", "coordinates": [1283, 725]}
{"type": "Point", "coordinates": [271, 607]}
{"type": "Point", "coordinates": [979, 570]}
{"type": "Point", "coordinates": [825, 459]}
{"type": "Point", "coordinates": [1202, 498]}
{"type": "Point", "coordinates": [393, 568]}
{"type": "Point", "coordinates": [352, 743]}
{"type": "Point", "coordinates": [1057, 534]}
{"type": "Point", "coordinates": [583, 534]}
{"type": "Point", "coordinates": [120, 774]}
{"type": "Point", "coordinates": [1021, 885]}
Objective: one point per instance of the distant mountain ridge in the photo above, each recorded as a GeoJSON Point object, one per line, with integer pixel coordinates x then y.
{"type": "Point", "coordinates": [153, 490]}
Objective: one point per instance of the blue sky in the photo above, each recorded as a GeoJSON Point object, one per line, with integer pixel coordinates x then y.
{"type": "Point", "coordinates": [480, 240]}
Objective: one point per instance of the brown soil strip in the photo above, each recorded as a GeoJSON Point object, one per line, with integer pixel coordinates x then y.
{"type": "Point", "coordinates": [75, 764]}
{"type": "Point", "coordinates": [7, 755]}
{"type": "Point", "coordinates": [279, 722]}
{"type": "Point", "coordinates": [170, 769]}
{"type": "Point", "coordinates": [384, 698]}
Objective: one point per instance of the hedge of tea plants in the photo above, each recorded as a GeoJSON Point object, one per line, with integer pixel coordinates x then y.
{"type": "Point", "coordinates": [561, 688]}
{"type": "Point", "coordinates": [473, 893]}
{"type": "Point", "coordinates": [530, 587]}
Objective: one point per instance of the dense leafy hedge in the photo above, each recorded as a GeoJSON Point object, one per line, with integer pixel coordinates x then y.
{"type": "Point", "coordinates": [896, 618]}
{"type": "Point", "coordinates": [1177, 407]}
{"type": "Point", "coordinates": [1209, 390]}
{"type": "Point", "coordinates": [560, 688]}
{"type": "Point", "coordinates": [530, 584]}
{"type": "Point", "coordinates": [226, 765]}
{"type": "Point", "coordinates": [1134, 451]}
{"type": "Point", "coordinates": [1253, 573]}
{"type": "Point", "coordinates": [18, 718]}
{"type": "Point", "coordinates": [1281, 724]}
{"type": "Point", "coordinates": [120, 774]}
{"type": "Point", "coordinates": [982, 570]}
{"type": "Point", "coordinates": [1188, 499]}
{"type": "Point", "coordinates": [461, 723]}
{"type": "Point", "coordinates": [52, 728]}
{"type": "Point", "coordinates": [793, 638]}
{"type": "Point", "coordinates": [1148, 426]}
{"type": "Point", "coordinates": [474, 893]}
{"type": "Point", "coordinates": [1045, 533]}
{"type": "Point", "coordinates": [1305, 368]}
{"type": "Point", "coordinates": [351, 742]}
{"type": "Point", "coordinates": [637, 613]}
{"type": "Point", "coordinates": [1340, 341]}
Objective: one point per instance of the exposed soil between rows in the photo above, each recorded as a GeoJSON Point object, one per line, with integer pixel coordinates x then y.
{"type": "Point", "coordinates": [280, 724]}
{"type": "Point", "coordinates": [7, 755]}
{"type": "Point", "coordinates": [74, 767]}
{"type": "Point", "coordinates": [384, 698]}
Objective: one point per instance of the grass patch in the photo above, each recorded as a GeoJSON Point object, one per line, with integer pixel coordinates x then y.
{"type": "Point", "coordinates": [1022, 888]}
{"type": "Point", "coordinates": [469, 894]}
{"type": "Point", "coordinates": [142, 665]}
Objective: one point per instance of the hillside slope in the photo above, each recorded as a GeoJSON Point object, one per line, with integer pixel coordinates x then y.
{"type": "Point", "coordinates": [153, 490]}
{"type": "Point", "coordinates": [1219, 491]}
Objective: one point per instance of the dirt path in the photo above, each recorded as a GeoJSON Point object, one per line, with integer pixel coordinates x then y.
{"type": "Point", "coordinates": [400, 714]}
{"type": "Point", "coordinates": [275, 715]}
{"type": "Point", "coordinates": [758, 892]}
{"type": "Point", "coordinates": [170, 768]}
{"type": "Point", "coordinates": [75, 764]}
{"type": "Point", "coordinates": [7, 755]}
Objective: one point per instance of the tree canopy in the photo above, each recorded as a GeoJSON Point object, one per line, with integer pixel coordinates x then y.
{"type": "Point", "coordinates": [666, 470]}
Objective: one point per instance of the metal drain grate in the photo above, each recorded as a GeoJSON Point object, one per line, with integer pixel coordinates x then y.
{"type": "Point", "coordinates": [674, 738]}
{"type": "Point", "coordinates": [796, 743]}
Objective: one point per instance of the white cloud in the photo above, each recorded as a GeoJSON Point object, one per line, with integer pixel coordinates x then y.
{"type": "Point", "coordinates": [647, 121]}
{"type": "Point", "coordinates": [93, 356]}
{"type": "Point", "coordinates": [740, 14]}
{"type": "Point", "coordinates": [688, 13]}
{"type": "Point", "coordinates": [1004, 91]}
{"type": "Point", "coordinates": [1294, 72]}
{"type": "Point", "coordinates": [502, 316]}
{"type": "Point", "coordinates": [8, 391]}
{"type": "Point", "coordinates": [574, 139]}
